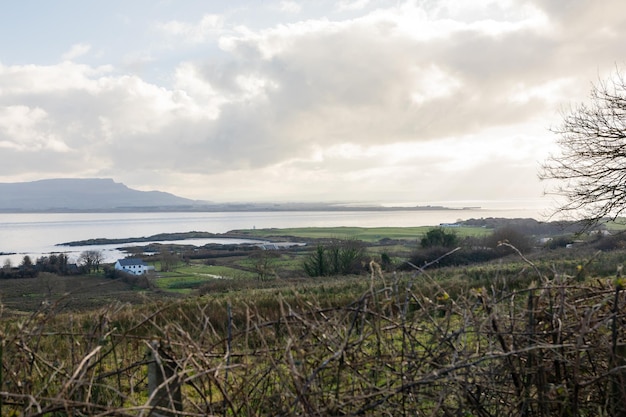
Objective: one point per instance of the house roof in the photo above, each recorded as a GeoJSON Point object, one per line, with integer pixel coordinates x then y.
{"type": "Point", "coordinates": [131, 261]}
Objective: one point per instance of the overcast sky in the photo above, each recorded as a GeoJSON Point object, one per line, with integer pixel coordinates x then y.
{"type": "Point", "coordinates": [379, 101]}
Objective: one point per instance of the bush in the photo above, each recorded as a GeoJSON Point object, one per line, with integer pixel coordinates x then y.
{"type": "Point", "coordinates": [137, 281]}
{"type": "Point", "coordinates": [439, 237]}
{"type": "Point", "coordinates": [423, 348]}
{"type": "Point", "coordinates": [559, 242]}
{"type": "Point", "coordinates": [513, 237]}
{"type": "Point", "coordinates": [613, 242]}
{"type": "Point", "coordinates": [339, 258]}
{"type": "Point", "coordinates": [463, 256]}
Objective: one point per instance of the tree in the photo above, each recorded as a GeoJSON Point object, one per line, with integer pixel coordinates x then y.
{"type": "Point", "coordinates": [350, 256]}
{"type": "Point", "coordinates": [90, 260]}
{"type": "Point", "coordinates": [54, 263]}
{"type": "Point", "coordinates": [342, 257]}
{"type": "Point", "coordinates": [385, 261]}
{"type": "Point", "coordinates": [591, 167]}
{"type": "Point", "coordinates": [169, 259]}
{"type": "Point", "coordinates": [26, 262]}
{"type": "Point", "coordinates": [439, 237]}
{"type": "Point", "coordinates": [47, 282]}
{"type": "Point", "coordinates": [26, 268]}
{"type": "Point", "coordinates": [264, 262]}
{"type": "Point", "coordinates": [315, 265]}
{"type": "Point", "coordinates": [63, 261]}
{"type": "Point", "coordinates": [513, 237]}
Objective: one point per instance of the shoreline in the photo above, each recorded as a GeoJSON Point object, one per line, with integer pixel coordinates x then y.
{"type": "Point", "coordinates": [244, 208]}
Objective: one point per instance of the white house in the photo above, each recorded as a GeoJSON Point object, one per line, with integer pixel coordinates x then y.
{"type": "Point", "coordinates": [133, 266]}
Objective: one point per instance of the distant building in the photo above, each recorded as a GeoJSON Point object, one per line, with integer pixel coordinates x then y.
{"type": "Point", "coordinates": [133, 266]}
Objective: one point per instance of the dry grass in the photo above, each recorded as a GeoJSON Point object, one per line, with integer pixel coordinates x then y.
{"type": "Point", "coordinates": [405, 346]}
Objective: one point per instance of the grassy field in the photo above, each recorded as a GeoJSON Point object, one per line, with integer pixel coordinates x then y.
{"type": "Point", "coordinates": [85, 291]}
{"type": "Point", "coordinates": [618, 224]}
{"type": "Point", "coordinates": [366, 234]}
{"type": "Point", "coordinates": [482, 339]}
{"type": "Point", "coordinates": [478, 340]}
{"type": "Point", "coordinates": [185, 278]}
{"type": "Point", "coordinates": [398, 242]}
{"type": "Point", "coordinates": [69, 293]}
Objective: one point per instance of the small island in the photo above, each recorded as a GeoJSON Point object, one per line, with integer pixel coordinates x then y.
{"type": "Point", "coordinates": [143, 239]}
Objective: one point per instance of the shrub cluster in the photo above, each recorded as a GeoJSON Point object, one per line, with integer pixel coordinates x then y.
{"type": "Point", "coordinates": [403, 347]}
{"type": "Point", "coordinates": [438, 242]}
{"type": "Point", "coordinates": [136, 281]}
{"type": "Point", "coordinates": [341, 257]}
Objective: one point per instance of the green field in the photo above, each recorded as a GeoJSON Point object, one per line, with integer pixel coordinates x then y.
{"type": "Point", "coordinates": [398, 242]}
{"type": "Point", "coordinates": [470, 339]}
{"type": "Point", "coordinates": [366, 234]}
{"type": "Point", "coordinates": [184, 279]}
{"type": "Point", "coordinates": [369, 344]}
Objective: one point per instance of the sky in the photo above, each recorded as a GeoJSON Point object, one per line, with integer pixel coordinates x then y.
{"type": "Point", "coordinates": [392, 102]}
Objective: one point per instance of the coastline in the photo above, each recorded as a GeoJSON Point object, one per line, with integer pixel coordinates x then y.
{"type": "Point", "coordinates": [243, 208]}
{"type": "Point", "coordinates": [37, 234]}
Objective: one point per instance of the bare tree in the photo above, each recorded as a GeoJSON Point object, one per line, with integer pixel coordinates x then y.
{"type": "Point", "coordinates": [47, 282]}
{"type": "Point", "coordinates": [169, 259]}
{"type": "Point", "coordinates": [591, 167]}
{"type": "Point", "coordinates": [90, 260]}
{"type": "Point", "coordinates": [264, 264]}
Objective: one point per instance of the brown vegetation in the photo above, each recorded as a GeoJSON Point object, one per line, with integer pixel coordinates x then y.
{"type": "Point", "coordinates": [524, 335]}
{"type": "Point", "coordinates": [541, 344]}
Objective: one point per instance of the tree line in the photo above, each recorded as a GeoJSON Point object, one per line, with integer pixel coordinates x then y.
{"type": "Point", "coordinates": [57, 263]}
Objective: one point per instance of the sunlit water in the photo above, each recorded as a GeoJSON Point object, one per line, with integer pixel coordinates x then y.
{"type": "Point", "coordinates": [36, 234]}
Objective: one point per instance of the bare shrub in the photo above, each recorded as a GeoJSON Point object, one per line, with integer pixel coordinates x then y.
{"type": "Point", "coordinates": [407, 345]}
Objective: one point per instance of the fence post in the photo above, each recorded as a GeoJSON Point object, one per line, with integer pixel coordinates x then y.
{"type": "Point", "coordinates": [161, 368]}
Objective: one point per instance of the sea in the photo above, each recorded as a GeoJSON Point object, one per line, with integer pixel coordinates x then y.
{"type": "Point", "coordinates": [41, 234]}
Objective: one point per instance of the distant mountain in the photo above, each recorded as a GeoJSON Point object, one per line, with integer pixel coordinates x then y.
{"type": "Point", "coordinates": [106, 195]}
{"type": "Point", "coordinates": [95, 194]}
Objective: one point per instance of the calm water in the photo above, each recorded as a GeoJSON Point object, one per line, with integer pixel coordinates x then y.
{"type": "Point", "coordinates": [37, 234]}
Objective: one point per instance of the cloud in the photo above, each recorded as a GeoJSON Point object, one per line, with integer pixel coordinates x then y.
{"type": "Point", "coordinates": [422, 103]}
{"type": "Point", "coordinates": [28, 129]}
{"type": "Point", "coordinates": [76, 51]}
{"type": "Point", "coordinates": [290, 6]}
{"type": "Point", "coordinates": [367, 81]}
{"type": "Point", "coordinates": [352, 5]}
{"type": "Point", "coordinates": [90, 115]}
{"type": "Point", "coordinates": [205, 29]}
